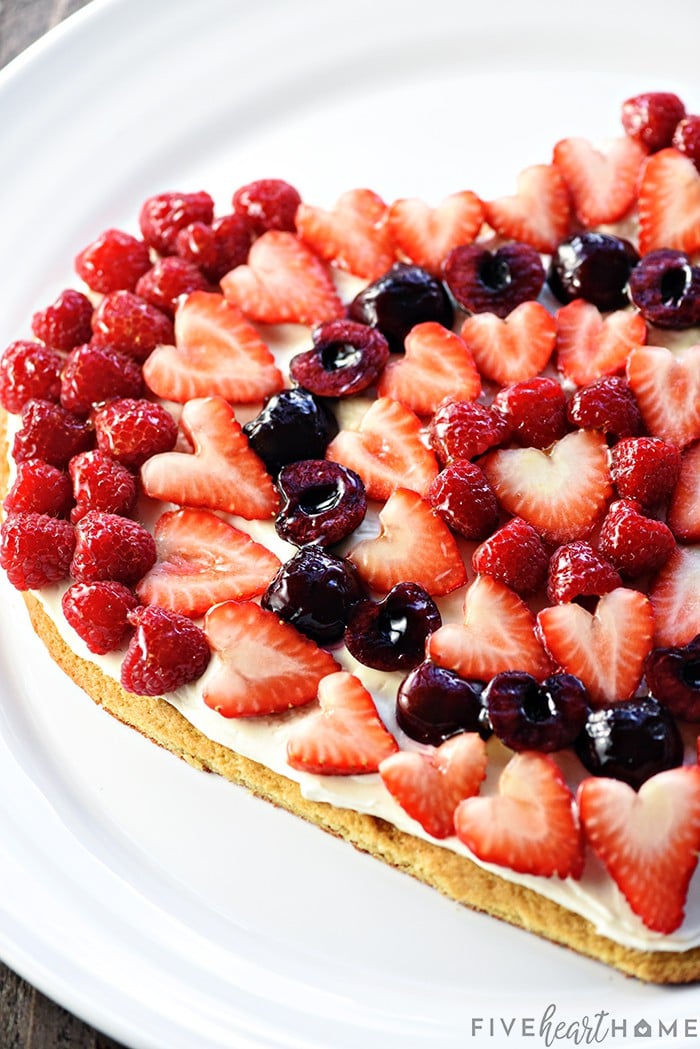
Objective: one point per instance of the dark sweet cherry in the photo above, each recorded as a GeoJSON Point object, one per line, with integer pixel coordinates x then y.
{"type": "Point", "coordinates": [484, 281]}
{"type": "Point", "coordinates": [400, 299]}
{"type": "Point", "coordinates": [434, 703]}
{"type": "Point", "coordinates": [593, 266]}
{"type": "Point", "coordinates": [577, 571]}
{"type": "Point", "coordinates": [607, 404]}
{"type": "Point", "coordinates": [535, 410]}
{"type": "Point", "coordinates": [630, 741]}
{"type": "Point", "coordinates": [527, 715]}
{"type": "Point", "coordinates": [323, 502]}
{"type": "Point", "coordinates": [465, 429]}
{"type": "Point", "coordinates": [391, 634]}
{"type": "Point", "coordinates": [673, 677]}
{"type": "Point", "coordinates": [292, 425]}
{"type": "Point", "coordinates": [665, 288]}
{"type": "Point", "coordinates": [346, 359]}
{"type": "Point", "coordinates": [651, 118]}
{"type": "Point", "coordinates": [315, 592]}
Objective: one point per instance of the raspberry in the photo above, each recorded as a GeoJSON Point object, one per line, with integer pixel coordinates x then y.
{"type": "Point", "coordinates": [494, 282]}
{"type": "Point", "coordinates": [29, 371]}
{"type": "Point", "coordinates": [515, 555]}
{"type": "Point", "coordinates": [608, 404]}
{"type": "Point", "coordinates": [51, 433]}
{"type": "Point", "coordinates": [462, 496]}
{"type": "Point", "coordinates": [111, 547]}
{"type": "Point", "coordinates": [168, 650]}
{"type": "Point", "coordinates": [115, 260]}
{"type": "Point", "coordinates": [100, 483]}
{"type": "Point", "coordinates": [215, 249]}
{"type": "Point", "coordinates": [130, 325]}
{"type": "Point", "coordinates": [535, 409]}
{"type": "Point", "coordinates": [665, 288]}
{"type": "Point", "coordinates": [636, 545]}
{"type": "Point", "coordinates": [40, 488]}
{"type": "Point", "coordinates": [465, 429]}
{"type": "Point", "coordinates": [93, 374]}
{"type": "Point", "coordinates": [577, 570]}
{"type": "Point", "coordinates": [36, 550]}
{"type": "Point", "coordinates": [131, 431]}
{"type": "Point", "coordinates": [268, 203]}
{"type": "Point", "coordinates": [163, 216]}
{"type": "Point", "coordinates": [167, 280]}
{"type": "Point", "coordinates": [686, 138]}
{"type": "Point", "coordinates": [98, 613]}
{"type": "Point", "coordinates": [651, 118]}
{"type": "Point", "coordinates": [66, 323]}
{"type": "Point", "coordinates": [646, 469]}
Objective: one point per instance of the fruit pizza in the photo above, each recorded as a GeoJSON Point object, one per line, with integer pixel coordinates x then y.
{"type": "Point", "coordinates": [391, 513]}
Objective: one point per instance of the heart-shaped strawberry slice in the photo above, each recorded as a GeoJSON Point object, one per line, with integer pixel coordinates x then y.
{"type": "Point", "coordinates": [539, 213]}
{"type": "Point", "coordinates": [437, 364]}
{"type": "Point", "coordinates": [426, 236]}
{"type": "Point", "coordinates": [590, 345]}
{"type": "Point", "coordinates": [513, 349]}
{"type": "Point", "coordinates": [354, 235]}
{"type": "Point", "coordinates": [429, 785]}
{"type": "Point", "coordinates": [530, 825]}
{"type": "Point", "coordinates": [675, 597]}
{"type": "Point", "coordinates": [346, 736]}
{"type": "Point", "coordinates": [669, 203]}
{"type": "Point", "coordinates": [603, 186]}
{"type": "Point", "coordinates": [648, 839]}
{"type": "Point", "coordinates": [606, 649]}
{"type": "Point", "coordinates": [667, 387]}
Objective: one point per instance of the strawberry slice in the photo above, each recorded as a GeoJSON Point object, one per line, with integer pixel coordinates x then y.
{"type": "Point", "coordinates": [603, 186]}
{"type": "Point", "coordinates": [426, 236]}
{"type": "Point", "coordinates": [675, 598]}
{"type": "Point", "coordinates": [354, 235]}
{"type": "Point", "coordinates": [606, 649]}
{"type": "Point", "coordinates": [683, 517]}
{"type": "Point", "coordinates": [261, 664]}
{"type": "Point", "coordinates": [540, 212]}
{"type": "Point", "coordinates": [530, 825]}
{"type": "Point", "coordinates": [498, 634]}
{"type": "Point", "coordinates": [667, 388]}
{"type": "Point", "coordinates": [224, 473]}
{"type": "Point", "coordinates": [561, 492]}
{"type": "Point", "coordinates": [429, 785]}
{"type": "Point", "coordinates": [513, 349]}
{"type": "Point", "coordinates": [386, 451]}
{"type": "Point", "coordinates": [590, 345]}
{"type": "Point", "coordinates": [414, 545]}
{"type": "Point", "coordinates": [216, 351]}
{"type": "Point", "coordinates": [346, 737]}
{"type": "Point", "coordinates": [203, 560]}
{"type": "Point", "coordinates": [647, 839]}
{"type": "Point", "coordinates": [437, 364]}
{"type": "Point", "coordinates": [669, 203]}
{"type": "Point", "coordinates": [283, 282]}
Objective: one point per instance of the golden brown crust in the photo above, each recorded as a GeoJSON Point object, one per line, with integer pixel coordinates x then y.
{"type": "Point", "coordinates": [452, 875]}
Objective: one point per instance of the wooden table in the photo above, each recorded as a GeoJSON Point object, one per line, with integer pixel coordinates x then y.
{"type": "Point", "coordinates": [29, 1020]}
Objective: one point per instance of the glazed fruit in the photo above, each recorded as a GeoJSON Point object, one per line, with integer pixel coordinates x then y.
{"type": "Point", "coordinates": [100, 483]}
{"type": "Point", "coordinates": [515, 555]}
{"type": "Point", "coordinates": [163, 216]}
{"type": "Point", "coordinates": [402, 298]}
{"type": "Point", "coordinates": [665, 288]}
{"type": "Point", "coordinates": [98, 613]}
{"type": "Point", "coordinates": [93, 374]}
{"type": "Point", "coordinates": [215, 249]}
{"type": "Point", "coordinates": [673, 677]}
{"type": "Point", "coordinates": [434, 703]}
{"type": "Point", "coordinates": [607, 404]}
{"type": "Point", "coordinates": [495, 282]}
{"type": "Point", "coordinates": [166, 651]}
{"type": "Point", "coordinates": [167, 279]}
{"type": "Point", "coordinates": [686, 138]}
{"type": "Point", "coordinates": [592, 266]}
{"type": "Point", "coordinates": [391, 634]}
{"type": "Point", "coordinates": [267, 203]}
{"type": "Point", "coordinates": [292, 425]}
{"type": "Point", "coordinates": [635, 544]}
{"type": "Point", "coordinates": [35, 549]}
{"type": "Point", "coordinates": [29, 371]}
{"type": "Point", "coordinates": [528, 715]}
{"type": "Point", "coordinates": [652, 117]}
{"type": "Point", "coordinates": [535, 410]}
{"type": "Point", "coordinates": [630, 741]}
{"type": "Point", "coordinates": [133, 430]}
{"type": "Point", "coordinates": [315, 592]}
{"type": "Point", "coordinates": [66, 322]}
{"type": "Point", "coordinates": [323, 502]}
{"type": "Point", "coordinates": [111, 547]}
{"type": "Point", "coordinates": [51, 433]}
{"type": "Point", "coordinates": [577, 571]}
{"type": "Point", "coordinates": [129, 324]}
{"type": "Point", "coordinates": [645, 469]}
{"type": "Point", "coordinates": [39, 488]}
{"type": "Point", "coordinates": [463, 498]}
{"type": "Point", "coordinates": [465, 429]}
{"type": "Point", "coordinates": [346, 359]}
{"type": "Point", "coordinates": [113, 261]}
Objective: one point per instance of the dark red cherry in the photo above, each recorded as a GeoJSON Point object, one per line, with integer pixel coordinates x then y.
{"type": "Point", "coordinates": [527, 715]}
{"type": "Point", "coordinates": [292, 425]}
{"type": "Point", "coordinates": [346, 359]}
{"type": "Point", "coordinates": [434, 703]}
{"type": "Point", "coordinates": [400, 299]}
{"type": "Point", "coordinates": [391, 634]}
{"type": "Point", "coordinates": [673, 677]}
{"type": "Point", "coordinates": [630, 741]}
{"type": "Point", "coordinates": [323, 502]}
{"type": "Point", "coordinates": [315, 592]}
{"type": "Point", "coordinates": [485, 281]}
{"type": "Point", "coordinates": [595, 267]}
{"type": "Point", "coordinates": [665, 288]}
